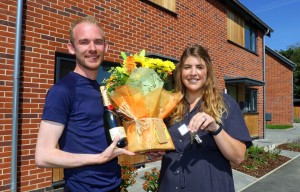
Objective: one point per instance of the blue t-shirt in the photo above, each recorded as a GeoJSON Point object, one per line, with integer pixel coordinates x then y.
{"type": "Point", "coordinates": [76, 102]}
{"type": "Point", "coordinates": [202, 167]}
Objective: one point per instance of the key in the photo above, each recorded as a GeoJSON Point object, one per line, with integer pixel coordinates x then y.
{"type": "Point", "coordinates": [198, 139]}
{"type": "Point", "coordinates": [194, 136]}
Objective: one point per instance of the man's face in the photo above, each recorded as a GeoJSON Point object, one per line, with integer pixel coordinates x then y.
{"type": "Point", "coordinates": [88, 46]}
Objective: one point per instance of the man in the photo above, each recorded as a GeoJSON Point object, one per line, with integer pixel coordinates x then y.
{"type": "Point", "coordinates": [73, 117]}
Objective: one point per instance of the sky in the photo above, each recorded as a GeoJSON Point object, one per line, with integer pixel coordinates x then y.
{"type": "Point", "coordinates": [283, 16]}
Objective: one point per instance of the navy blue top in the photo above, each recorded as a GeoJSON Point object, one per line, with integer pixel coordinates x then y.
{"type": "Point", "coordinates": [201, 167]}
{"type": "Point", "coordinates": [76, 102]}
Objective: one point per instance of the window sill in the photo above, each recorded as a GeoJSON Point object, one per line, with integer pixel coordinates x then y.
{"type": "Point", "coordinates": [231, 42]}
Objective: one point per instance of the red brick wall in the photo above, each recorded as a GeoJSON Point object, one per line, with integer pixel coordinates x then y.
{"type": "Point", "coordinates": [130, 26]}
{"type": "Point", "coordinates": [279, 95]}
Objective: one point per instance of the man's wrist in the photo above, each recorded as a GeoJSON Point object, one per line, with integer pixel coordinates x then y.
{"type": "Point", "coordinates": [216, 132]}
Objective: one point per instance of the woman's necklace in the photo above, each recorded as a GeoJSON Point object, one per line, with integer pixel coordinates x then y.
{"type": "Point", "coordinates": [194, 103]}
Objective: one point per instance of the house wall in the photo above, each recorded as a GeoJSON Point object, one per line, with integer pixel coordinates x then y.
{"type": "Point", "coordinates": [130, 26]}
{"type": "Point", "coordinates": [279, 94]}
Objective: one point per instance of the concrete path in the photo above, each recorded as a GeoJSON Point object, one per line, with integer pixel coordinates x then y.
{"type": "Point", "coordinates": [284, 179]}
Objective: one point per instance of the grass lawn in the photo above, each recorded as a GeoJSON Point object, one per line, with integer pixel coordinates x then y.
{"type": "Point", "coordinates": [279, 126]}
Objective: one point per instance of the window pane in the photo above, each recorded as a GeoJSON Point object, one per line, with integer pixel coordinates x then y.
{"type": "Point", "coordinates": [250, 39]}
{"type": "Point", "coordinates": [250, 100]}
{"type": "Point", "coordinates": [247, 101]}
{"type": "Point", "coordinates": [253, 42]}
{"type": "Point", "coordinates": [63, 65]}
{"type": "Point", "coordinates": [103, 71]}
{"type": "Point", "coordinates": [254, 100]}
{"type": "Point", "coordinates": [247, 37]}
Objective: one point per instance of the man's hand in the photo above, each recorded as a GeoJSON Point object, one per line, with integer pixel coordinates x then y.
{"type": "Point", "coordinates": [113, 151]}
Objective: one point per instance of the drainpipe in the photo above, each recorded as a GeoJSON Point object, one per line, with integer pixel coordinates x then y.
{"type": "Point", "coordinates": [14, 142]}
{"type": "Point", "coordinates": [293, 114]}
{"type": "Point", "coordinates": [264, 87]}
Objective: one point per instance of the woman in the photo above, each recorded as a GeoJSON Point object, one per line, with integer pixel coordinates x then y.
{"type": "Point", "coordinates": [202, 165]}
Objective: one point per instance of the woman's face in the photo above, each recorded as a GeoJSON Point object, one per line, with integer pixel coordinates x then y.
{"type": "Point", "coordinates": [194, 74]}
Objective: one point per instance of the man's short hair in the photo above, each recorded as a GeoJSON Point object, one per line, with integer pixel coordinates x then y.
{"type": "Point", "coordinates": [86, 19]}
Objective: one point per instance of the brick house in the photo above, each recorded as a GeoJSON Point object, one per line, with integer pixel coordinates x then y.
{"type": "Point", "coordinates": [279, 91]}
{"type": "Point", "coordinates": [233, 35]}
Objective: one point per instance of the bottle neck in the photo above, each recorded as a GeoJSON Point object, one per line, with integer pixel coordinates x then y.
{"type": "Point", "coordinates": [105, 98]}
{"type": "Point", "coordinates": [109, 107]}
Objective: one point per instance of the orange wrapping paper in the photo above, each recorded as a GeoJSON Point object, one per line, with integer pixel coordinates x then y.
{"type": "Point", "coordinates": [145, 128]}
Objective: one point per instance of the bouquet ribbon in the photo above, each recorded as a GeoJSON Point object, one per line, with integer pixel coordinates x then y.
{"type": "Point", "coordinates": [140, 123]}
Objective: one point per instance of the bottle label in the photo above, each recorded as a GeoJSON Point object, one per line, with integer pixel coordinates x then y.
{"type": "Point", "coordinates": [117, 131]}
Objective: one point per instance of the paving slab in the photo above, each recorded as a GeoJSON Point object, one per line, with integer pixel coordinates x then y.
{"type": "Point", "coordinates": [242, 180]}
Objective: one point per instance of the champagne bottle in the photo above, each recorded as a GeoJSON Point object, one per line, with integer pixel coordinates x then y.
{"type": "Point", "coordinates": [112, 122]}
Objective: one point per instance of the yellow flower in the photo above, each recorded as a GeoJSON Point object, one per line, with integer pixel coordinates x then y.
{"type": "Point", "coordinates": [140, 60]}
{"type": "Point", "coordinates": [129, 64]}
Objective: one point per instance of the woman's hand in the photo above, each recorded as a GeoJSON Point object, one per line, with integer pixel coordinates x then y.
{"type": "Point", "coordinates": [154, 155]}
{"type": "Point", "coordinates": [201, 122]}
{"type": "Point", "coordinates": [231, 148]}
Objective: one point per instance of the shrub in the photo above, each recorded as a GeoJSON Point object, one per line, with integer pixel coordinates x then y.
{"type": "Point", "coordinates": [294, 143]}
{"type": "Point", "coordinates": [255, 153]}
{"type": "Point", "coordinates": [297, 120]}
{"type": "Point", "coordinates": [151, 183]}
{"type": "Point", "coordinates": [128, 176]}
{"type": "Point", "coordinates": [260, 155]}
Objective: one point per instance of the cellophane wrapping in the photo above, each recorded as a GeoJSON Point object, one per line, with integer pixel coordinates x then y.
{"type": "Point", "coordinates": [144, 111]}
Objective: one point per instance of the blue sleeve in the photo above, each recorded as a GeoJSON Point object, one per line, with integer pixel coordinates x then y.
{"type": "Point", "coordinates": [234, 122]}
{"type": "Point", "coordinates": [58, 104]}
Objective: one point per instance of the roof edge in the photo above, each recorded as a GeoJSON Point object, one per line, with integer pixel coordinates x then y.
{"type": "Point", "coordinates": [246, 80]}
{"type": "Point", "coordinates": [245, 10]}
{"type": "Point", "coordinates": [281, 57]}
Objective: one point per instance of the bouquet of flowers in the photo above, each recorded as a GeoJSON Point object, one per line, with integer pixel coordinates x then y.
{"type": "Point", "coordinates": [136, 88]}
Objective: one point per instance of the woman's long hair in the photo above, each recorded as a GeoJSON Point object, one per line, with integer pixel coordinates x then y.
{"type": "Point", "coordinates": [212, 100]}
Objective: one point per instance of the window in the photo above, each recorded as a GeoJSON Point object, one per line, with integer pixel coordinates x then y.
{"type": "Point", "coordinates": [167, 4]}
{"type": "Point", "coordinates": [65, 63]}
{"type": "Point", "coordinates": [250, 39]}
{"type": "Point", "coordinates": [239, 32]}
{"type": "Point", "coordinates": [250, 100]}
